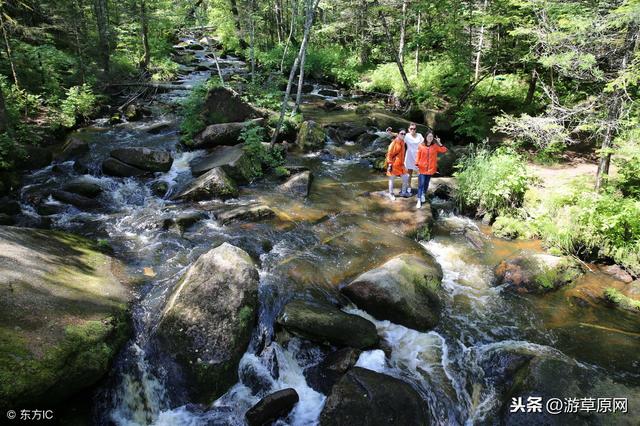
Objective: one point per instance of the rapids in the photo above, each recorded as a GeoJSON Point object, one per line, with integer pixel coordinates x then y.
{"type": "Point", "coordinates": [316, 245]}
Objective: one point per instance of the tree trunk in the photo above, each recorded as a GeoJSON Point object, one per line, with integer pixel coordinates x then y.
{"type": "Point", "coordinates": [296, 107]}
{"type": "Point", "coordinates": [365, 46]}
{"type": "Point", "coordinates": [303, 47]}
{"type": "Point", "coordinates": [236, 20]}
{"type": "Point", "coordinates": [278, 13]}
{"type": "Point", "coordinates": [405, 80]}
{"type": "Point", "coordinates": [144, 27]}
{"type": "Point", "coordinates": [615, 109]}
{"type": "Point", "coordinates": [4, 120]}
{"type": "Point", "coordinates": [294, 14]}
{"type": "Point", "coordinates": [252, 39]}
{"type": "Point", "coordinates": [480, 42]}
{"type": "Point", "coordinates": [7, 48]}
{"type": "Point", "coordinates": [403, 25]}
{"type": "Point", "coordinates": [102, 21]}
{"type": "Point", "coordinates": [532, 87]}
{"type": "Point", "coordinates": [418, 46]}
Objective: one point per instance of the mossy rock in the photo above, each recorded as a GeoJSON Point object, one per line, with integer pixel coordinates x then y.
{"type": "Point", "coordinates": [311, 136]}
{"type": "Point", "coordinates": [213, 184]}
{"type": "Point", "coordinates": [405, 290]}
{"type": "Point", "coordinates": [207, 322]}
{"type": "Point", "coordinates": [537, 273]}
{"type": "Point", "coordinates": [63, 316]}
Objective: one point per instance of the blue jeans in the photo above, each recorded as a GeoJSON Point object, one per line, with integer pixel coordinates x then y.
{"type": "Point", "coordinates": [423, 185]}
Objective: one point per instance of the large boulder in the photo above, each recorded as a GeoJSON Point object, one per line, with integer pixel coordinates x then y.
{"type": "Point", "coordinates": [76, 200]}
{"type": "Point", "coordinates": [325, 324]}
{"type": "Point", "coordinates": [220, 134]}
{"type": "Point", "coordinates": [537, 273]}
{"type": "Point", "coordinates": [448, 160]}
{"type": "Point", "coordinates": [365, 397]}
{"type": "Point", "coordinates": [250, 213]}
{"type": "Point", "coordinates": [152, 160]}
{"type": "Point", "coordinates": [207, 322]}
{"type": "Point", "coordinates": [224, 106]}
{"type": "Point", "coordinates": [232, 159]}
{"type": "Point", "coordinates": [83, 186]}
{"type": "Point", "coordinates": [63, 316]}
{"type": "Point", "coordinates": [113, 167]}
{"type": "Point", "coordinates": [404, 290]}
{"type": "Point", "coordinates": [297, 185]}
{"type": "Point", "coordinates": [311, 136]}
{"type": "Point", "coordinates": [75, 146]}
{"type": "Point", "coordinates": [213, 184]}
{"type": "Point", "coordinates": [272, 407]}
{"type": "Point", "coordinates": [325, 374]}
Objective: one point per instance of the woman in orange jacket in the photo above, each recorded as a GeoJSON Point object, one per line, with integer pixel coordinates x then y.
{"type": "Point", "coordinates": [427, 163]}
{"type": "Point", "coordinates": [395, 162]}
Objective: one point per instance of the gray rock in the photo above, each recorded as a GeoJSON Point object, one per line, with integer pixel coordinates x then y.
{"type": "Point", "coordinates": [365, 397]}
{"type": "Point", "coordinates": [224, 106]}
{"type": "Point", "coordinates": [152, 160]}
{"type": "Point", "coordinates": [213, 184]}
{"type": "Point", "coordinates": [324, 375]}
{"type": "Point", "coordinates": [250, 213]}
{"type": "Point", "coordinates": [220, 134]}
{"type": "Point", "coordinates": [9, 206]}
{"type": "Point", "coordinates": [159, 188]}
{"type": "Point", "coordinates": [83, 186]}
{"type": "Point", "coordinates": [207, 322]}
{"type": "Point", "coordinates": [325, 324]}
{"type": "Point", "coordinates": [232, 159]}
{"type": "Point", "coordinates": [404, 290]}
{"type": "Point", "coordinates": [537, 273]}
{"type": "Point", "coordinates": [272, 407]}
{"type": "Point", "coordinates": [113, 167]}
{"type": "Point", "coordinates": [298, 184]}
{"type": "Point", "coordinates": [74, 147]}
{"type": "Point", "coordinates": [184, 221]}
{"type": "Point", "coordinates": [76, 200]}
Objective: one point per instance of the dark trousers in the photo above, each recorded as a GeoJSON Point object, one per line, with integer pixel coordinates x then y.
{"type": "Point", "coordinates": [423, 185]}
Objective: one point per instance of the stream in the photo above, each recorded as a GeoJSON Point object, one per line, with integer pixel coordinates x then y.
{"type": "Point", "coordinates": [311, 247]}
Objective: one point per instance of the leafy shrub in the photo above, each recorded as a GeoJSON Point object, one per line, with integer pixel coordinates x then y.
{"type": "Point", "coordinates": [628, 179]}
{"type": "Point", "coordinates": [472, 121]}
{"type": "Point", "coordinates": [163, 69]}
{"type": "Point", "coordinates": [7, 147]}
{"type": "Point", "coordinates": [79, 105]}
{"type": "Point", "coordinates": [512, 227]}
{"type": "Point", "coordinates": [260, 158]}
{"type": "Point", "coordinates": [491, 181]}
{"type": "Point", "coordinates": [191, 110]}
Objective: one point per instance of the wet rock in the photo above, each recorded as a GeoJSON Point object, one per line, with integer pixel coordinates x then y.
{"type": "Point", "coordinates": [311, 136]}
{"type": "Point", "coordinates": [329, 92]}
{"type": "Point", "coordinates": [442, 187]}
{"type": "Point", "coordinates": [475, 238]}
{"type": "Point", "coordinates": [9, 206]}
{"type": "Point", "coordinates": [250, 213]}
{"type": "Point", "coordinates": [184, 221]}
{"type": "Point", "coordinates": [213, 184]}
{"type": "Point", "coordinates": [306, 88]}
{"type": "Point", "coordinates": [132, 112]}
{"type": "Point", "coordinates": [207, 322]}
{"type": "Point", "coordinates": [537, 273]}
{"type": "Point", "coordinates": [324, 375]}
{"type": "Point", "coordinates": [220, 134]}
{"type": "Point", "coordinates": [232, 159]}
{"type": "Point", "coordinates": [83, 186]}
{"type": "Point", "coordinates": [73, 147]}
{"type": "Point", "coordinates": [152, 160]}
{"type": "Point", "coordinates": [63, 316]}
{"type": "Point", "coordinates": [35, 158]}
{"type": "Point", "coordinates": [48, 209]}
{"type": "Point", "coordinates": [330, 106]}
{"type": "Point", "coordinates": [158, 127]}
{"type": "Point", "coordinates": [76, 200]}
{"type": "Point", "coordinates": [159, 188]}
{"type": "Point", "coordinates": [334, 135]}
{"type": "Point", "coordinates": [323, 323]}
{"type": "Point", "coordinates": [404, 290]}
{"type": "Point", "coordinates": [366, 139]}
{"type": "Point", "coordinates": [351, 131]}
{"type": "Point", "coordinates": [80, 167]}
{"type": "Point", "coordinates": [272, 407]}
{"type": "Point", "coordinates": [402, 213]}
{"type": "Point", "coordinates": [113, 167]}
{"type": "Point", "coordinates": [224, 106]}
{"type": "Point", "coordinates": [5, 219]}
{"type": "Point", "coordinates": [297, 185]}
{"type": "Point", "coordinates": [617, 272]}
{"type": "Point", "coordinates": [365, 397]}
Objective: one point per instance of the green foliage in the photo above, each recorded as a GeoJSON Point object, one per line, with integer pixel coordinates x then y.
{"type": "Point", "coordinates": [191, 111]}
{"type": "Point", "coordinates": [628, 179]}
{"type": "Point", "coordinates": [617, 298]}
{"type": "Point", "coordinates": [163, 69]}
{"type": "Point", "coordinates": [491, 181]}
{"type": "Point", "coordinates": [79, 105]}
{"type": "Point", "coordinates": [512, 227]}
{"type": "Point", "coordinates": [260, 158]}
{"type": "Point", "coordinates": [7, 147]}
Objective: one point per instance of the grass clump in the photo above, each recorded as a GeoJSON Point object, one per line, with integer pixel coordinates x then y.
{"type": "Point", "coordinates": [260, 156]}
{"type": "Point", "coordinates": [617, 298]}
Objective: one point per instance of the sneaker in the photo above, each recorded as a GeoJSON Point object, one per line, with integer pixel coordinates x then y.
{"type": "Point", "coordinates": [419, 204]}
{"type": "Point", "coordinates": [392, 197]}
{"type": "Point", "coordinates": [405, 194]}
{"type": "Point", "coordinates": [423, 199]}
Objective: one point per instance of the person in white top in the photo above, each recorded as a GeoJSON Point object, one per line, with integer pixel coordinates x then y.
{"type": "Point", "coordinates": [413, 139]}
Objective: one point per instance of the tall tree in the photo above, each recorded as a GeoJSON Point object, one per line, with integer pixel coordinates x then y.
{"type": "Point", "coordinates": [7, 44]}
{"type": "Point", "coordinates": [311, 6]}
{"type": "Point", "coordinates": [144, 32]}
{"type": "Point", "coordinates": [405, 80]}
{"type": "Point", "coordinates": [403, 26]}
{"type": "Point", "coordinates": [102, 21]}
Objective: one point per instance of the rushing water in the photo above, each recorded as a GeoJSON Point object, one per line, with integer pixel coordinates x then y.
{"type": "Point", "coordinates": [315, 245]}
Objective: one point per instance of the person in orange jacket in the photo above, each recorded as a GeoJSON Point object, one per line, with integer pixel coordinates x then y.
{"type": "Point", "coordinates": [395, 162]}
{"type": "Point", "coordinates": [427, 163]}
